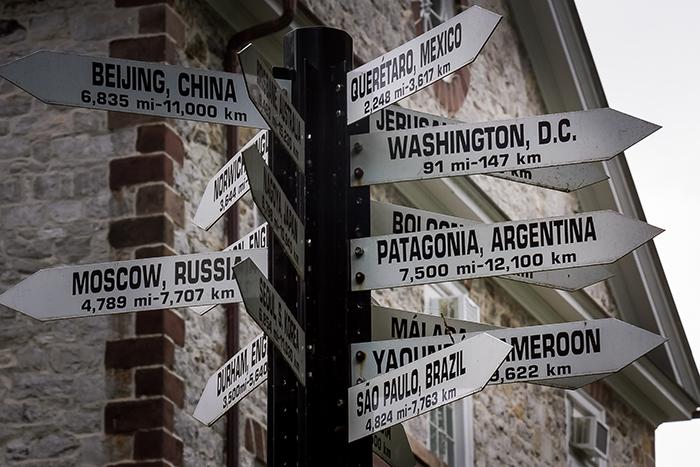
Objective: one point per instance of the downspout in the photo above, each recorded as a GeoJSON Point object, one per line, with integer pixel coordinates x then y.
{"type": "Point", "coordinates": [237, 41]}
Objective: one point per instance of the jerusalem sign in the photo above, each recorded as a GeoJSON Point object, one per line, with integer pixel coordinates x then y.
{"type": "Point", "coordinates": [135, 87]}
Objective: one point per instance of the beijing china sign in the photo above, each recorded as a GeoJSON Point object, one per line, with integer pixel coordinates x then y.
{"type": "Point", "coordinates": [508, 145]}
{"type": "Point", "coordinates": [389, 219]}
{"type": "Point", "coordinates": [503, 248]}
{"type": "Point", "coordinates": [560, 353]}
{"type": "Point", "coordinates": [135, 87]}
{"type": "Point", "coordinates": [134, 285]}
{"type": "Point", "coordinates": [419, 62]}
{"type": "Point", "coordinates": [423, 385]}
{"type": "Point", "coordinates": [562, 178]}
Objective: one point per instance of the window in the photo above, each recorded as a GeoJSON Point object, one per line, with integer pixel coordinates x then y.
{"type": "Point", "coordinates": [586, 431]}
{"type": "Point", "coordinates": [451, 426]}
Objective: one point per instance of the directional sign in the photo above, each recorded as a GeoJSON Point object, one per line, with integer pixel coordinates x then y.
{"type": "Point", "coordinates": [480, 148]}
{"type": "Point", "coordinates": [419, 62]}
{"type": "Point", "coordinates": [228, 185]}
{"type": "Point", "coordinates": [135, 87]}
{"type": "Point", "coordinates": [423, 385]}
{"type": "Point", "coordinates": [274, 104]}
{"type": "Point", "coordinates": [276, 208]}
{"type": "Point", "coordinates": [266, 307]}
{"type": "Point", "coordinates": [135, 285]}
{"type": "Point", "coordinates": [389, 218]}
{"type": "Point", "coordinates": [503, 248]}
{"type": "Point", "coordinates": [255, 239]}
{"type": "Point", "coordinates": [562, 178]}
{"type": "Point", "coordinates": [391, 444]}
{"type": "Point", "coordinates": [568, 354]}
{"type": "Point", "coordinates": [236, 379]}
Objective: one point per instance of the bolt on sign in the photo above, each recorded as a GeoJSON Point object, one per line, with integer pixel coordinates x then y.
{"type": "Point", "coordinates": [565, 353]}
{"type": "Point", "coordinates": [232, 382]}
{"type": "Point", "coordinates": [419, 62]}
{"type": "Point", "coordinates": [228, 185]}
{"type": "Point", "coordinates": [423, 385]}
{"type": "Point", "coordinates": [273, 103]}
{"type": "Point", "coordinates": [502, 248]}
{"type": "Point", "coordinates": [266, 307]}
{"type": "Point", "coordinates": [386, 218]}
{"type": "Point", "coordinates": [563, 178]}
{"type": "Point", "coordinates": [136, 87]}
{"type": "Point", "coordinates": [257, 238]}
{"type": "Point", "coordinates": [482, 148]}
{"type": "Point", "coordinates": [134, 285]}
{"type": "Point", "coordinates": [275, 207]}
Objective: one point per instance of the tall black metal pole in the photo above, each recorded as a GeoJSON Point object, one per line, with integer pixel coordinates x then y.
{"type": "Point", "coordinates": [331, 315]}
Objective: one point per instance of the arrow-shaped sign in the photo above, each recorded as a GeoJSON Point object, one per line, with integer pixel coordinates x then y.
{"type": "Point", "coordinates": [274, 104]}
{"type": "Point", "coordinates": [135, 87]}
{"type": "Point", "coordinates": [266, 307]}
{"type": "Point", "coordinates": [502, 248]}
{"type": "Point", "coordinates": [562, 178]}
{"type": "Point", "coordinates": [228, 185]}
{"type": "Point", "coordinates": [566, 355]}
{"type": "Point", "coordinates": [480, 148]}
{"type": "Point", "coordinates": [419, 62]}
{"type": "Point", "coordinates": [423, 385]}
{"type": "Point", "coordinates": [389, 218]}
{"type": "Point", "coordinates": [276, 208]}
{"type": "Point", "coordinates": [236, 379]}
{"type": "Point", "coordinates": [134, 285]}
{"type": "Point", "coordinates": [257, 238]}
{"type": "Point", "coordinates": [391, 444]}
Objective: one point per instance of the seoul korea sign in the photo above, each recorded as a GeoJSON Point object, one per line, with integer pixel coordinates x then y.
{"type": "Point", "coordinates": [410, 363]}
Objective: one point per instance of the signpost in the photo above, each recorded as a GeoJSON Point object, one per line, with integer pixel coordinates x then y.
{"type": "Point", "coordinates": [228, 185]}
{"type": "Point", "coordinates": [257, 238]}
{"type": "Point", "coordinates": [134, 285]}
{"type": "Point", "coordinates": [274, 104]}
{"type": "Point", "coordinates": [276, 208]}
{"type": "Point", "coordinates": [503, 248]}
{"type": "Point", "coordinates": [423, 385]}
{"type": "Point", "coordinates": [394, 219]}
{"type": "Point", "coordinates": [507, 145]}
{"type": "Point", "coordinates": [419, 62]}
{"type": "Point", "coordinates": [232, 382]}
{"type": "Point", "coordinates": [266, 307]}
{"type": "Point", "coordinates": [391, 444]}
{"type": "Point", "coordinates": [136, 87]}
{"type": "Point", "coordinates": [567, 354]}
{"type": "Point", "coordinates": [562, 178]}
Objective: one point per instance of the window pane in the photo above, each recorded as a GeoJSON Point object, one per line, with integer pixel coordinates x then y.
{"type": "Point", "coordinates": [448, 424]}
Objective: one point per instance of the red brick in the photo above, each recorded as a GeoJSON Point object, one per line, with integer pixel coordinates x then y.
{"type": "Point", "coordinates": [157, 444]}
{"type": "Point", "coordinates": [260, 435]}
{"type": "Point", "coordinates": [117, 120]}
{"type": "Point", "coordinates": [162, 18]}
{"type": "Point", "coordinates": [154, 251]}
{"type": "Point", "coordinates": [130, 3]}
{"type": "Point", "coordinates": [140, 231]}
{"type": "Point", "coordinates": [158, 48]}
{"type": "Point", "coordinates": [154, 138]}
{"type": "Point", "coordinates": [248, 437]}
{"type": "Point", "coordinates": [159, 382]}
{"type": "Point", "coordinates": [161, 322]}
{"type": "Point", "coordinates": [139, 351]}
{"type": "Point", "coordinates": [159, 198]}
{"type": "Point", "coordinates": [129, 416]}
{"type": "Point", "coordinates": [133, 170]}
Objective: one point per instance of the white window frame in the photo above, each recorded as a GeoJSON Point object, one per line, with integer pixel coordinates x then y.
{"type": "Point", "coordinates": [579, 403]}
{"type": "Point", "coordinates": [463, 410]}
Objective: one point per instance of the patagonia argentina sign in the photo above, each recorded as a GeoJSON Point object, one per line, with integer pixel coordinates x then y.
{"type": "Point", "coordinates": [388, 219]}
{"type": "Point", "coordinates": [498, 249]}
{"type": "Point", "coordinates": [563, 355]}
{"type": "Point", "coordinates": [419, 62]}
{"type": "Point", "coordinates": [481, 148]}
{"type": "Point", "coordinates": [134, 285]}
{"type": "Point", "coordinates": [135, 87]}
{"type": "Point", "coordinates": [562, 178]}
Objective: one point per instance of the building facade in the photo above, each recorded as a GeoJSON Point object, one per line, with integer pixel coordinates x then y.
{"type": "Point", "coordinates": [86, 186]}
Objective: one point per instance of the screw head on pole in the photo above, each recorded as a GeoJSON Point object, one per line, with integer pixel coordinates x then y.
{"type": "Point", "coordinates": [359, 173]}
{"type": "Point", "coordinates": [360, 356]}
{"type": "Point", "coordinates": [357, 148]}
{"type": "Point", "coordinates": [359, 277]}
